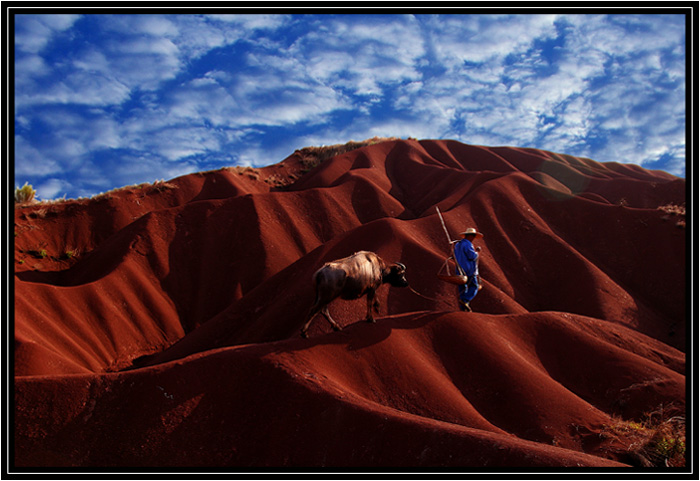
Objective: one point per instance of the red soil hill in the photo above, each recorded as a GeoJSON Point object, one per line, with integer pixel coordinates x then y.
{"type": "Point", "coordinates": [158, 325]}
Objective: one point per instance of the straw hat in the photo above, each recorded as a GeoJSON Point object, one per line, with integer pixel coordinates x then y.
{"type": "Point", "coordinates": [472, 231]}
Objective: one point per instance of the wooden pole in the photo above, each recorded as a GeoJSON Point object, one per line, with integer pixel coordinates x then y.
{"type": "Point", "coordinates": [444, 227]}
{"type": "Point", "coordinates": [449, 241]}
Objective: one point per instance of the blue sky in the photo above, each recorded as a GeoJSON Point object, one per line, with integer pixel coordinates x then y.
{"type": "Point", "coordinates": [108, 100]}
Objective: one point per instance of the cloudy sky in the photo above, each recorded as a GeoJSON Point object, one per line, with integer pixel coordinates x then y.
{"type": "Point", "coordinates": [108, 100]}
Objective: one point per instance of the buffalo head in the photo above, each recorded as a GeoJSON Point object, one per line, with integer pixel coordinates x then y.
{"type": "Point", "coordinates": [395, 275]}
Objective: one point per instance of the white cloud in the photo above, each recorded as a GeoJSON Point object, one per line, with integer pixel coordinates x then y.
{"type": "Point", "coordinates": [135, 52]}
{"type": "Point", "coordinates": [254, 21]}
{"type": "Point", "coordinates": [77, 88]}
{"type": "Point", "coordinates": [30, 161]}
{"type": "Point", "coordinates": [169, 93]}
{"type": "Point", "coordinates": [94, 132]}
{"type": "Point", "coordinates": [596, 89]}
{"type": "Point", "coordinates": [362, 56]}
{"type": "Point", "coordinates": [52, 188]}
{"type": "Point", "coordinates": [29, 66]}
{"type": "Point", "coordinates": [176, 142]}
{"type": "Point", "coordinates": [486, 38]}
{"type": "Point", "coordinates": [622, 34]}
{"type": "Point", "coordinates": [129, 168]}
{"type": "Point", "coordinates": [34, 32]}
{"type": "Point", "coordinates": [155, 25]}
{"type": "Point", "coordinates": [202, 100]}
{"type": "Point", "coordinates": [262, 155]}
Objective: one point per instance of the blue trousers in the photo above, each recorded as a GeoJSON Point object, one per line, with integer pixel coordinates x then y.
{"type": "Point", "coordinates": [468, 291]}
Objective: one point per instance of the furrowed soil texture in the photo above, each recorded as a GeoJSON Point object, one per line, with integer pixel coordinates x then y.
{"type": "Point", "coordinates": [158, 325]}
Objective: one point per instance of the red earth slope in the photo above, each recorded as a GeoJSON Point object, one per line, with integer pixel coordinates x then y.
{"type": "Point", "coordinates": [159, 325]}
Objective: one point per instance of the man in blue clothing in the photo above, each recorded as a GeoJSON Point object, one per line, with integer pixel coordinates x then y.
{"type": "Point", "coordinates": [467, 258]}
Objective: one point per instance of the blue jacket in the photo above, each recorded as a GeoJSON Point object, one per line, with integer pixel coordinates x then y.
{"type": "Point", "coordinates": [466, 257]}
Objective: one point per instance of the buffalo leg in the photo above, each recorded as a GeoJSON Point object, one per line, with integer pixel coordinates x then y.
{"type": "Point", "coordinates": [312, 313]}
{"type": "Point", "coordinates": [315, 310]}
{"type": "Point", "coordinates": [372, 306]}
{"type": "Point", "coordinates": [328, 317]}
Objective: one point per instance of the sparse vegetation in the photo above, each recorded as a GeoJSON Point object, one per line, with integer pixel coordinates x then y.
{"type": "Point", "coordinates": [162, 185]}
{"type": "Point", "coordinates": [24, 194]}
{"type": "Point", "coordinates": [657, 441]}
{"type": "Point", "coordinates": [70, 253]}
{"type": "Point", "coordinates": [310, 158]}
{"type": "Point", "coordinates": [39, 213]}
{"type": "Point", "coordinates": [276, 180]}
{"type": "Point", "coordinates": [148, 187]}
{"type": "Point", "coordinates": [674, 211]}
{"type": "Point", "coordinates": [313, 156]}
{"type": "Point", "coordinates": [108, 194]}
{"type": "Point", "coordinates": [248, 171]}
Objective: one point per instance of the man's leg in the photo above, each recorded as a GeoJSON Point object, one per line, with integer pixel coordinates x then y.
{"type": "Point", "coordinates": [467, 293]}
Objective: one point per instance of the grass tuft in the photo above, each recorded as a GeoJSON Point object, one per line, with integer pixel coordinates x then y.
{"type": "Point", "coordinates": [673, 210]}
{"type": "Point", "coordinates": [24, 194]}
{"type": "Point", "coordinates": [657, 441]}
{"type": "Point", "coordinates": [250, 172]}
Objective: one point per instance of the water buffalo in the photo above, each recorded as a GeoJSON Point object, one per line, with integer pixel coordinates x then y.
{"type": "Point", "coordinates": [352, 277]}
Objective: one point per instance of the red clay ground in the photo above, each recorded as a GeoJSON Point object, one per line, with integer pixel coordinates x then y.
{"type": "Point", "coordinates": [158, 325]}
